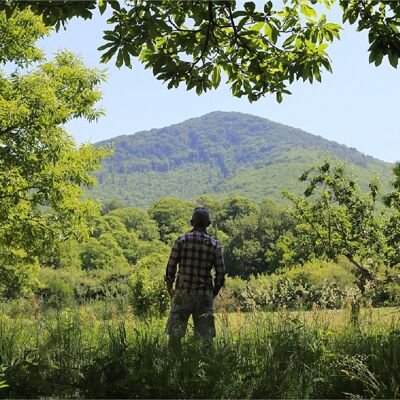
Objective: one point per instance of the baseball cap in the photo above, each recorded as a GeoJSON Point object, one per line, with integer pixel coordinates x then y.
{"type": "Point", "coordinates": [201, 217]}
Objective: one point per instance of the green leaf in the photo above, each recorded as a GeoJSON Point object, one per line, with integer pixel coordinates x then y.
{"type": "Point", "coordinates": [322, 47]}
{"type": "Point", "coordinates": [242, 22]}
{"type": "Point", "coordinates": [158, 66]}
{"type": "Point", "coordinates": [271, 32]}
{"type": "Point", "coordinates": [115, 5]}
{"type": "Point", "coordinates": [102, 6]}
{"type": "Point", "coordinates": [199, 89]}
{"type": "Point", "coordinates": [120, 59]}
{"type": "Point", "coordinates": [378, 58]}
{"type": "Point", "coordinates": [191, 84]}
{"type": "Point", "coordinates": [310, 45]}
{"type": "Point", "coordinates": [105, 46]}
{"type": "Point", "coordinates": [236, 87]}
{"type": "Point", "coordinates": [107, 56]}
{"type": "Point", "coordinates": [127, 59]}
{"type": "Point", "coordinates": [249, 7]}
{"type": "Point", "coordinates": [3, 385]}
{"type": "Point", "coordinates": [258, 26]}
{"type": "Point", "coordinates": [216, 76]}
{"type": "Point", "coordinates": [371, 57]}
{"type": "Point", "coordinates": [393, 27]}
{"type": "Point", "coordinates": [393, 59]}
{"type": "Point", "coordinates": [289, 41]}
{"type": "Point", "coordinates": [111, 38]}
{"type": "Point", "coordinates": [308, 11]}
{"type": "Point", "coordinates": [153, 32]}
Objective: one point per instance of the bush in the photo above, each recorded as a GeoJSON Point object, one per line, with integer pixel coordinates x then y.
{"type": "Point", "coordinates": [57, 288]}
{"type": "Point", "coordinates": [317, 283]}
{"type": "Point", "coordinates": [319, 273]}
{"type": "Point", "coordinates": [148, 294]}
{"type": "Point", "coordinates": [18, 278]}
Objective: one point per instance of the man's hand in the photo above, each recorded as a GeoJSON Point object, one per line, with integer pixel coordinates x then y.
{"type": "Point", "coordinates": [170, 289]}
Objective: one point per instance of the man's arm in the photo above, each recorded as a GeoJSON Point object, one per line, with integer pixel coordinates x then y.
{"type": "Point", "coordinates": [219, 270]}
{"type": "Point", "coordinates": [173, 261]}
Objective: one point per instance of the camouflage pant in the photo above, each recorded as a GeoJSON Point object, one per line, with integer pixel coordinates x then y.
{"type": "Point", "coordinates": [199, 306]}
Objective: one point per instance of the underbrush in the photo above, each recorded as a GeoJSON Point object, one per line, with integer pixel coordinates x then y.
{"type": "Point", "coordinates": [74, 353]}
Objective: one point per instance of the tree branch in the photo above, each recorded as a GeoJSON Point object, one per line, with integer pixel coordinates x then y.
{"type": "Point", "coordinates": [206, 41]}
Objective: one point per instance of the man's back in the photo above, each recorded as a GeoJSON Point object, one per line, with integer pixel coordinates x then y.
{"type": "Point", "coordinates": [196, 252]}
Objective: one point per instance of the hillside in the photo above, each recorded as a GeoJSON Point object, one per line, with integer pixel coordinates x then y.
{"type": "Point", "coordinates": [220, 153]}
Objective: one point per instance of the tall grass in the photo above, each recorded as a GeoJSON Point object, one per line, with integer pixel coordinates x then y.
{"type": "Point", "coordinates": [74, 353]}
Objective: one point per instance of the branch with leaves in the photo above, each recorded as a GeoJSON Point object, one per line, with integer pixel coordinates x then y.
{"type": "Point", "coordinates": [258, 51]}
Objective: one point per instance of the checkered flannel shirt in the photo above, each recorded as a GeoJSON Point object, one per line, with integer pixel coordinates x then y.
{"type": "Point", "coordinates": [196, 253]}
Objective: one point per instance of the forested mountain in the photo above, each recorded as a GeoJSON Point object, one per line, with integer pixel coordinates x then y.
{"type": "Point", "coordinates": [220, 153]}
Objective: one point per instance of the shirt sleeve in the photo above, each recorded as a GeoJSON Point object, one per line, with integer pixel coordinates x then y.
{"type": "Point", "coordinates": [219, 267]}
{"type": "Point", "coordinates": [173, 261]}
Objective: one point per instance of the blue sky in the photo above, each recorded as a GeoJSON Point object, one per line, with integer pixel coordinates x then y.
{"type": "Point", "coordinates": [357, 105]}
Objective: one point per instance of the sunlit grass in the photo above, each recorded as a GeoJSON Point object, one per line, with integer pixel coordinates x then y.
{"type": "Point", "coordinates": [102, 351]}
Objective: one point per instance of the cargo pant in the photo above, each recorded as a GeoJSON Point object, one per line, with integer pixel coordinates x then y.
{"type": "Point", "coordinates": [200, 307]}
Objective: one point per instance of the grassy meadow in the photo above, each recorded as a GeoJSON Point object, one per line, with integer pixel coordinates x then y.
{"type": "Point", "coordinates": [102, 351]}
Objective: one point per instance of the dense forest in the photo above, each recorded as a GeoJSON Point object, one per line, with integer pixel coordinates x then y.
{"type": "Point", "coordinates": [219, 154]}
{"type": "Point", "coordinates": [331, 245]}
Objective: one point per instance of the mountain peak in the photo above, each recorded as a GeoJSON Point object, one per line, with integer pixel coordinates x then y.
{"type": "Point", "coordinates": [219, 153]}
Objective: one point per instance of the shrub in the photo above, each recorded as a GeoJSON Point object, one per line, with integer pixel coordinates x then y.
{"type": "Point", "coordinates": [319, 283]}
{"type": "Point", "coordinates": [148, 294]}
{"type": "Point", "coordinates": [57, 288]}
{"type": "Point", "coordinates": [319, 273]}
{"type": "Point", "coordinates": [18, 277]}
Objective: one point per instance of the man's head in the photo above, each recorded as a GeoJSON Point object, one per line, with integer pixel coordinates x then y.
{"type": "Point", "coordinates": [200, 218]}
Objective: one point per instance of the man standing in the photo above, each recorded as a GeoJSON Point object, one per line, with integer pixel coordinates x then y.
{"type": "Point", "coordinates": [197, 253]}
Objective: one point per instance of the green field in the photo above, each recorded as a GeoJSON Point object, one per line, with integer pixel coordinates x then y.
{"type": "Point", "coordinates": [102, 351]}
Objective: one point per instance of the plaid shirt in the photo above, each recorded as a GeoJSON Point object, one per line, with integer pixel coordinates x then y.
{"type": "Point", "coordinates": [196, 253]}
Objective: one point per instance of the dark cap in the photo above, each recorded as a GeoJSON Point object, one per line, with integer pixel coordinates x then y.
{"type": "Point", "coordinates": [201, 217]}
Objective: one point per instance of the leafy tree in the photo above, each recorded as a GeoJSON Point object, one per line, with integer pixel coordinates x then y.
{"type": "Point", "coordinates": [244, 254]}
{"type": "Point", "coordinates": [111, 205]}
{"type": "Point", "coordinates": [153, 247]}
{"type": "Point", "coordinates": [232, 208]}
{"type": "Point", "coordinates": [42, 172]}
{"type": "Point", "coordinates": [101, 254]}
{"type": "Point", "coordinates": [63, 255]}
{"type": "Point", "coordinates": [138, 221]}
{"type": "Point", "coordinates": [172, 217]}
{"type": "Point", "coordinates": [260, 50]}
{"type": "Point", "coordinates": [129, 243]}
{"type": "Point", "coordinates": [335, 218]}
{"type": "Point", "coordinates": [114, 223]}
{"type": "Point", "coordinates": [55, 289]}
{"type": "Point", "coordinates": [250, 246]}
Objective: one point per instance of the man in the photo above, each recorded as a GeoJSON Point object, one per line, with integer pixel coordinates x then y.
{"type": "Point", "coordinates": [197, 253]}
